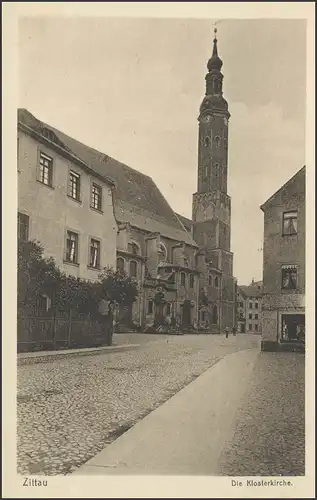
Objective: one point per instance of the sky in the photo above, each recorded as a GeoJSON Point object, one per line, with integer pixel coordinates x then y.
{"type": "Point", "coordinates": [132, 88]}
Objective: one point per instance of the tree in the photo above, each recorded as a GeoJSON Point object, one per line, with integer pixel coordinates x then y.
{"type": "Point", "coordinates": [118, 287]}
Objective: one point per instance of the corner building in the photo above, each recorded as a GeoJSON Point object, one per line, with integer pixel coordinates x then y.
{"type": "Point", "coordinates": [211, 215]}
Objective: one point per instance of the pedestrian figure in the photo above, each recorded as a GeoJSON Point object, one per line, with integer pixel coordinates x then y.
{"type": "Point", "coordinates": [106, 318]}
{"type": "Point", "coordinates": [227, 331]}
{"type": "Point", "coordinates": [234, 331]}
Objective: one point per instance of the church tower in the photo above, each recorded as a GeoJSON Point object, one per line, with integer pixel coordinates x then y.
{"type": "Point", "coordinates": [211, 203]}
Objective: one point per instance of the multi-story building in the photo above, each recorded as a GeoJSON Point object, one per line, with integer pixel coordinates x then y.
{"type": "Point", "coordinates": [183, 267]}
{"type": "Point", "coordinates": [63, 203]}
{"type": "Point", "coordinates": [283, 301]}
{"type": "Point", "coordinates": [249, 307]}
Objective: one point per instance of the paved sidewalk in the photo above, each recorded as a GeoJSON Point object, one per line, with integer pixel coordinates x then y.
{"type": "Point", "coordinates": [187, 434]}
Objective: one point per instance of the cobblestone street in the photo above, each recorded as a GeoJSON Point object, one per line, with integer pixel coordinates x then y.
{"type": "Point", "coordinates": [269, 437]}
{"type": "Point", "coordinates": [69, 409]}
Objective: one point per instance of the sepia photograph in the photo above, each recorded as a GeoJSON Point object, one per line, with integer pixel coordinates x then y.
{"type": "Point", "coordinates": [161, 249]}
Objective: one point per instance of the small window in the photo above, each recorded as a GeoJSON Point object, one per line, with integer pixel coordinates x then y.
{"type": "Point", "coordinates": [72, 247]}
{"type": "Point", "coordinates": [289, 277]}
{"type": "Point", "coordinates": [74, 185]}
{"type": "Point", "coordinates": [150, 307]}
{"type": "Point", "coordinates": [23, 226]}
{"type": "Point", "coordinates": [183, 279]}
{"type": "Point", "coordinates": [256, 305]}
{"type": "Point", "coordinates": [216, 281]}
{"type": "Point", "coordinates": [206, 171]}
{"type": "Point", "coordinates": [256, 328]}
{"type": "Point", "coordinates": [133, 248]}
{"type": "Point", "coordinates": [250, 305]}
{"type": "Point", "coordinates": [96, 197]}
{"type": "Point", "coordinates": [289, 223]}
{"type": "Point", "coordinates": [191, 281]}
{"type": "Point", "coordinates": [168, 309]}
{"type": "Point", "coordinates": [250, 316]}
{"type": "Point", "coordinates": [241, 304]}
{"type": "Point", "coordinates": [207, 142]}
{"type": "Point", "coordinates": [120, 264]}
{"type": "Point", "coordinates": [217, 142]}
{"type": "Point", "coordinates": [256, 316]}
{"type": "Point", "coordinates": [241, 315]}
{"type": "Point", "coordinates": [133, 269]}
{"type": "Point", "coordinates": [46, 170]}
{"type": "Point", "coordinates": [186, 264]}
{"type": "Point", "coordinates": [94, 260]}
{"type": "Point", "coordinates": [250, 327]}
{"type": "Point", "coordinates": [210, 280]}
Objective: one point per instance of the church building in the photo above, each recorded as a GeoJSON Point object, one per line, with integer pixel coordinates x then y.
{"type": "Point", "coordinates": [183, 267]}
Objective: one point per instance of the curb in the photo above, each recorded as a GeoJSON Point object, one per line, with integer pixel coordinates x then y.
{"type": "Point", "coordinates": [46, 357]}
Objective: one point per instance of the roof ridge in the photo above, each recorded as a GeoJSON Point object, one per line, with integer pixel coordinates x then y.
{"type": "Point", "coordinates": [282, 187]}
{"type": "Point", "coordinates": [83, 144]}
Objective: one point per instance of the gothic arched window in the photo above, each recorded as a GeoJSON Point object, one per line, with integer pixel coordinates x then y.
{"type": "Point", "coordinates": [215, 315]}
{"type": "Point", "coordinates": [120, 264]}
{"type": "Point", "coordinates": [217, 142]}
{"type": "Point", "coordinates": [133, 269]}
{"type": "Point", "coordinates": [216, 281]}
{"type": "Point", "coordinates": [207, 141]}
{"type": "Point", "coordinates": [162, 252]}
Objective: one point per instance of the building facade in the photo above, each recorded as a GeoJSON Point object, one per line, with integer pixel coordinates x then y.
{"type": "Point", "coordinates": [90, 211]}
{"type": "Point", "coordinates": [283, 302]}
{"type": "Point", "coordinates": [249, 308]}
{"type": "Point", "coordinates": [63, 204]}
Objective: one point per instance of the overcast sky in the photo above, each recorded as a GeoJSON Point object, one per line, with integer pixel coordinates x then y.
{"type": "Point", "coordinates": [132, 88]}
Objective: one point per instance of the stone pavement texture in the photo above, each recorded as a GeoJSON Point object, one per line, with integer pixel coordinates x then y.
{"type": "Point", "coordinates": [269, 437]}
{"type": "Point", "coordinates": [187, 433]}
{"type": "Point", "coordinates": [70, 409]}
{"type": "Point", "coordinates": [250, 423]}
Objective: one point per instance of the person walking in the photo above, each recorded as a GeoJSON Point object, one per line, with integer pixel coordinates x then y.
{"type": "Point", "coordinates": [227, 331]}
{"type": "Point", "coordinates": [105, 318]}
{"type": "Point", "coordinates": [234, 331]}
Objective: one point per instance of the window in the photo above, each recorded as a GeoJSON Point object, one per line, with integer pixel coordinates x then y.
{"type": "Point", "coordinates": [133, 269]}
{"type": "Point", "coordinates": [256, 305]}
{"type": "Point", "coordinates": [168, 309]}
{"type": "Point", "coordinates": [162, 252]}
{"type": "Point", "coordinates": [150, 307]}
{"type": "Point", "coordinates": [289, 277]}
{"type": "Point", "coordinates": [250, 316]}
{"type": "Point", "coordinates": [96, 197]}
{"type": "Point", "coordinates": [216, 281]}
{"type": "Point", "coordinates": [191, 280]}
{"type": "Point", "coordinates": [94, 260]}
{"type": "Point", "coordinates": [206, 171]}
{"type": "Point", "coordinates": [120, 265]}
{"type": "Point", "coordinates": [256, 316]}
{"type": "Point", "coordinates": [183, 279]}
{"type": "Point", "coordinates": [289, 223]}
{"type": "Point", "coordinates": [241, 304]}
{"type": "Point", "coordinates": [203, 316]}
{"type": "Point", "coordinates": [256, 328]}
{"type": "Point", "coordinates": [250, 327]}
{"type": "Point", "coordinates": [207, 142]}
{"type": "Point", "coordinates": [217, 142]}
{"type": "Point", "coordinates": [250, 305]}
{"type": "Point", "coordinates": [74, 185]}
{"type": "Point", "coordinates": [133, 248]}
{"type": "Point", "coordinates": [46, 169]}
{"type": "Point", "coordinates": [241, 315]}
{"type": "Point", "coordinates": [210, 280]}
{"type": "Point", "coordinates": [72, 247]}
{"type": "Point", "coordinates": [23, 226]}
{"type": "Point", "coordinates": [186, 262]}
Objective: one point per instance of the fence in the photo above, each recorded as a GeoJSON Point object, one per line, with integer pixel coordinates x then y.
{"type": "Point", "coordinates": [40, 330]}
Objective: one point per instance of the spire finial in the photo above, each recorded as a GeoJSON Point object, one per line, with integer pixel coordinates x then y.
{"type": "Point", "coordinates": [215, 32]}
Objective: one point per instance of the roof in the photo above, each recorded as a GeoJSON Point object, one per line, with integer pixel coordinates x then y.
{"type": "Point", "coordinates": [268, 202]}
{"type": "Point", "coordinates": [187, 223]}
{"type": "Point", "coordinates": [251, 290]}
{"type": "Point", "coordinates": [137, 198]}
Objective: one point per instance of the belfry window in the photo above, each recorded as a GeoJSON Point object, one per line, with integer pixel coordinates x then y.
{"type": "Point", "coordinates": [207, 141]}
{"type": "Point", "coordinates": [217, 142]}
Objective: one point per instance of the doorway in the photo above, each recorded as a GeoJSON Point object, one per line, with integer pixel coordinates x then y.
{"type": "Point", "coordinates": [293, 328]}
{"type": "Point", "coordinates": [186, 319]}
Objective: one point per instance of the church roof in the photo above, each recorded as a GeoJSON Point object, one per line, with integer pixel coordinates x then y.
{"type": "Point", "coordinates": [137, 198]}
{"type": "Point", "coordinates": [187, 223]}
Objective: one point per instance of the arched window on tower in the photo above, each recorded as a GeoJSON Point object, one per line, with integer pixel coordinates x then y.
{"type": "Point", "coordinates": [207, 141]}
{"type": "Point", "coordinates": [216, 281]}
{"type": "Point", "coordinates": [217, 142]}
{"type": "Point", "coordinates": [206, 171]}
